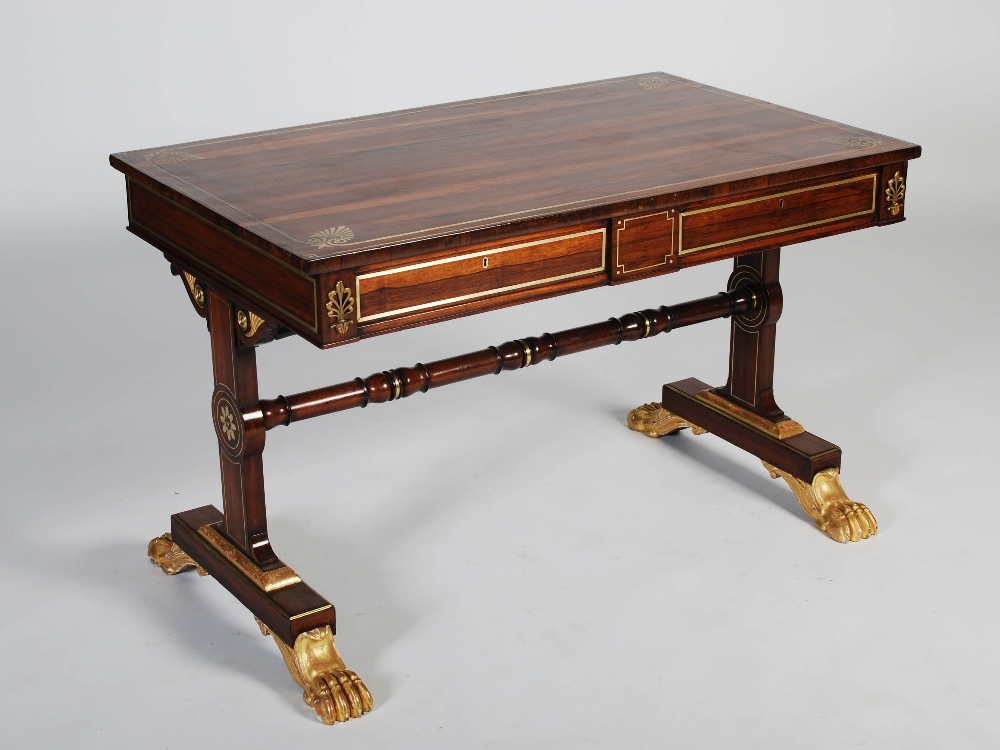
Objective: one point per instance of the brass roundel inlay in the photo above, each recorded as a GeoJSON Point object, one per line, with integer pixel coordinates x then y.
{"type": "Point", "coordinates": [747, 277]}
{"type": "Point", "coordinates": [199, 295]}
{"type": "Point", "coordinates": [228, 422]}
{"type": "Point", "coordinates": [242, 321]}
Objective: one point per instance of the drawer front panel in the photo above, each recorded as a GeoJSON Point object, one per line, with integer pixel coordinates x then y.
{"type": "Point", "coordinates": [772, 215]}
{"type": "Point", "coordinates": [644, 243]}
{"type": "Point", "coordinates": [480, 272]}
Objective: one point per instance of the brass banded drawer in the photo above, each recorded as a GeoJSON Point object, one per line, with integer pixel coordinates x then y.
{"type": "Point", "coordinates": [533, 261]}
{"type": "Point", "coordinates": [773, 215]}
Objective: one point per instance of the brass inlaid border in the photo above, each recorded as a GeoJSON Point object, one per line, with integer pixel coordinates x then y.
{"type": "Point", "coordinates": [680, 228]}
{"type": "Point", "coordinates": [314, 326]}
{"type": "Point", "coordinates": [786, 428]}
{"type": "Point", "coordinates": [451, 300]}
{"type": "Point", "coordinates": [618, 242]}
{"type": "Point", "coordinates": [265, 580]}
{"type": "Point", "coordinates": [684, 82]}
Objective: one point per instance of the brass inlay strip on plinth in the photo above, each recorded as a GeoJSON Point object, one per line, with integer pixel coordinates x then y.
{"type": "Point", "coordinates": [786, 428]}
{"type": "Point", "coordinates": [265, 580]}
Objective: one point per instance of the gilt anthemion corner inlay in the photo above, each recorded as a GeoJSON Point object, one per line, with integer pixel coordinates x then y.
{"type": "Point", "coordinates": [652, 83]}
{"type": "Point", "coordinates": [171, 156]}
{"type": "Point", "coordinates": [331, 237]}
{"type": "Point", "coordinates": [855, 140]}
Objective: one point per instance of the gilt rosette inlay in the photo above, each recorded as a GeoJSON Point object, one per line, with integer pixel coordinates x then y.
{"type": "Point", "coordinates": [228, 422]}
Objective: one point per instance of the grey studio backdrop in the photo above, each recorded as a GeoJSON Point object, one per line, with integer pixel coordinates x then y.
{"type": "Point", "coordinates": [512, 567]}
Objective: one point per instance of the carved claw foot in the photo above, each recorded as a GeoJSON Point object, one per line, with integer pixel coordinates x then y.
{"type": "Point", "coordinates": [654, 421]}
{"type": "Point", "coordinates": [825, 502]}
{"type": "Point", "coordinates": [329, 688]}
{"type": "Point", "coordinates": [172, 559]}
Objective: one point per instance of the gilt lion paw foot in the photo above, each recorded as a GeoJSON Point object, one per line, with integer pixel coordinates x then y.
{"type": "Point", "coordinates": [332, 691]}
{"type": "Point", "coordinates": [654, 421]}
{"type": "Point", "coordinates": [847, 521]}
{"type": "Point", "coordinates": [163, 551]}
{"type": "Point", "coordinates": [835, 514]}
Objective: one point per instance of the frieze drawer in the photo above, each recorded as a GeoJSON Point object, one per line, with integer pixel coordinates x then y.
{"type": "Point", "coordinates": [481, 271]}
{"type": "Point", "coordinates": [727, 223]}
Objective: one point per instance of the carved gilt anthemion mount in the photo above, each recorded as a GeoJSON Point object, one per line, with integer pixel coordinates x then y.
{"type": "Point", "coordinates": [340, 306]}
{"type": "Point", "coordinates": [894, 194]}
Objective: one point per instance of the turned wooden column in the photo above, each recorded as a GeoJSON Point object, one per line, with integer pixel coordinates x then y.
{"type": "Point", "coordinates": [752, 334]}
{"type": "Point", "coordinates": [235, 368]}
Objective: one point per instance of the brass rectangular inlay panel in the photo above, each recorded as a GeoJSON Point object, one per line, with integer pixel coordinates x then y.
{"type": "Point", "coordinates": [786, 428]}
{"type": "Point", "coordinates": [265, 580]}
{"type": "Point", "coordinates": [782, 230]}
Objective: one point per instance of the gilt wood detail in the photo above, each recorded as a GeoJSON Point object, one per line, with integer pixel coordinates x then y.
{"type": "Point", "coordinates": [825, 502]}
{"type": "Point", "coordinates": [654, 421]}
{"type": "Point", "coordinates": [329, 688]}
{"type": "Point", "coordinates": [170, 558]}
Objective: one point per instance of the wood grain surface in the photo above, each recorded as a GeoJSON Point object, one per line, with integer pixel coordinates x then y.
{"type": "Point", "coordinates": [402, 208]}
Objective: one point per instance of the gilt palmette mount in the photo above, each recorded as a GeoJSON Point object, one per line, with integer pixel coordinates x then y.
{"type": "Point", "coordinates": [894, 194]}
{"type": "Point", "coordinates": [339, 307]}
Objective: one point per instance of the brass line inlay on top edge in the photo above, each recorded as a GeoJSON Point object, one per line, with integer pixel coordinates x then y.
{"type": "Point", "coordinates": [680, 229]}
{"type": "Point", "coordinates": [266, 580]}
{"type": "Point", "coordinates": [451, 300]}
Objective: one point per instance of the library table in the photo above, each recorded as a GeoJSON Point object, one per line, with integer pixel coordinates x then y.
{"type": "Point", "coordinates": [373, 225]}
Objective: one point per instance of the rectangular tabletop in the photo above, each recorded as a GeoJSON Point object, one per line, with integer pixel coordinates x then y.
{"type": "Point", "coordinates": [559, 189]}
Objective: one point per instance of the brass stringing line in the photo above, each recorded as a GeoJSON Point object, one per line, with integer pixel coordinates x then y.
{"type": "Point", "coordinates": [357, 280]}
{"type": "Point", "coordinates": [311, 326]}
{"type": "Point", "coordinates": [624, 226]}
{"type": "Point", "coordinates": [644, 320]}
{"type": "Point", "coordinates": [680, 230]}
{"type": "Point", "coordinates": [527, 351]}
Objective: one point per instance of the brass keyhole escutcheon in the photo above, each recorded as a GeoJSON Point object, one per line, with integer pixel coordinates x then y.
{"type": "Point", "coordinates": [781, 203]}
{"type": "Point", "coordinates": [486, 262]}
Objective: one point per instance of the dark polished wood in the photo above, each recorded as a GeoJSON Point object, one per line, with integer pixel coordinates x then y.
{"type": "Point", "coordinates": [342, 230]}
{"type": "Point", "coordinates": [287, 611]}
{"type": "Point", "coordinates": [752, 337]}
{"type": "Point", "coordinates": [432, 213]}
{"type": "Point", "coordinates": [802, 455]}
{"type": "Point", "coordinates": [512, 355]}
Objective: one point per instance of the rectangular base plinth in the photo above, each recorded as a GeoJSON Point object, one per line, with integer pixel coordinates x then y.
{"type": "Point", "coordinates": [803, 455]}
{"type": "Point", "coordinates": [287, 611]}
